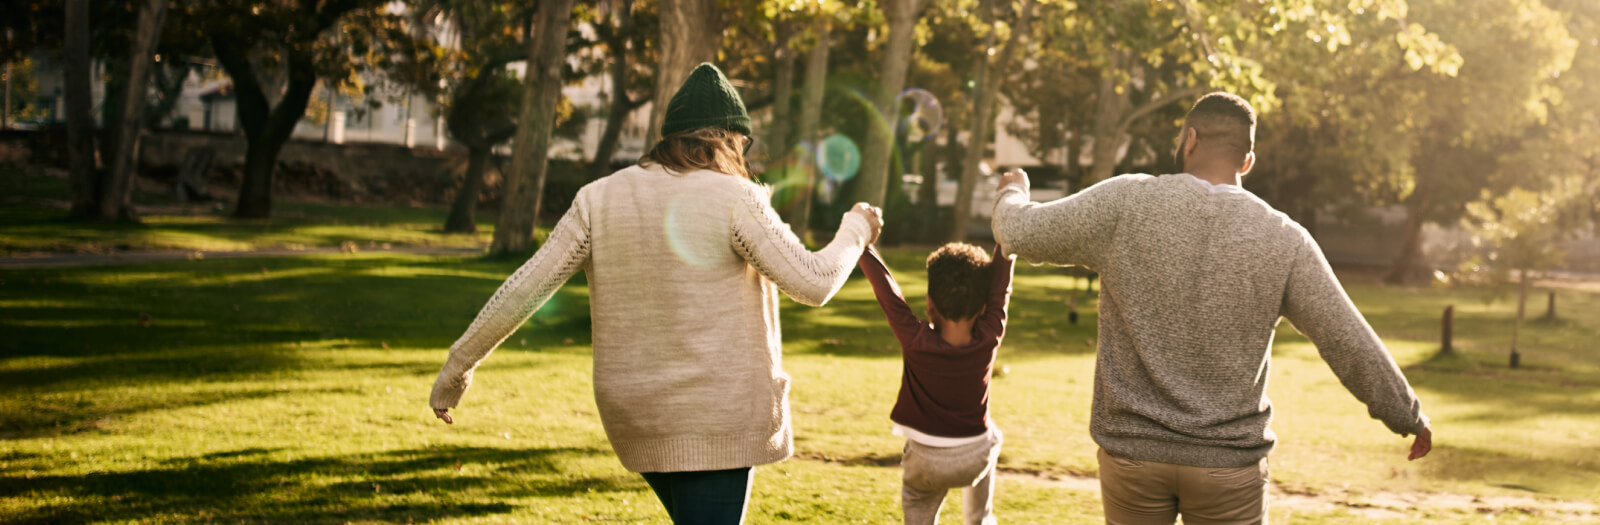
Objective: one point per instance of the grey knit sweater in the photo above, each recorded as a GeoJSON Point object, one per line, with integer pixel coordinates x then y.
{"type": "Point", "coordinates": [684, 272]}
{"type": "Point", "coordinates": [1194, 279]}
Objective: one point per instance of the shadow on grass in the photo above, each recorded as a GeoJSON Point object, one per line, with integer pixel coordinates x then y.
{"type": "Point", "coordinates": [1552, 473]}
{"type": "Point", "coordinates": [1502, 394]}
{"type": "Point", "coordinates": [248, 486]}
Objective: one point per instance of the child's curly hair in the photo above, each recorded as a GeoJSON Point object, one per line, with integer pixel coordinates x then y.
{"type": "Point", "coordinates": [958, 280]}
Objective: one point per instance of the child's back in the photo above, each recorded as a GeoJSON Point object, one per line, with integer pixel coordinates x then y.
{"type": "Point", "coordinates": [943, 406]}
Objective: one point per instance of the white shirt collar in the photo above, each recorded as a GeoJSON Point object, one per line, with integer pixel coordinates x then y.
{"type": "Point", "coordinates": [1214, 188]}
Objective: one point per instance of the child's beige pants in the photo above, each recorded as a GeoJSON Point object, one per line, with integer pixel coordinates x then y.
{"type": "Point", "coordinates": [930, 473]}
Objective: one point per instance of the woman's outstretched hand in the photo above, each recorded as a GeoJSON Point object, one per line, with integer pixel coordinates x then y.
{"type": "Point", "coordinates": [874, 217]}
{"type": "Point", "coordinates": [444, 413]}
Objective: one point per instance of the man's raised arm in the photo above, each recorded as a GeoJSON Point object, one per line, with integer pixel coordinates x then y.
{"type": "Point", "coordinates": [1073, 230]}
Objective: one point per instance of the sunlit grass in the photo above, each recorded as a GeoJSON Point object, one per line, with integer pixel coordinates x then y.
{"type": "Point", "coordinates": [289, 390]}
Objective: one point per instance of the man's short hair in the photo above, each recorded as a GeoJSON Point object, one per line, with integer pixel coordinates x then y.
{"type": "Point", "coordinates": [958, 280]}
{"type": "Point", "coordinates": [1226, 120]}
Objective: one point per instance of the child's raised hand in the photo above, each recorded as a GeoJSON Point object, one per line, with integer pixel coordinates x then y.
{"type": "Point", "coordinates": [874, 217]}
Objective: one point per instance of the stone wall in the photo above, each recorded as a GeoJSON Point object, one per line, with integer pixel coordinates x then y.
{"type": "Point", "coordinates": [376, 171]}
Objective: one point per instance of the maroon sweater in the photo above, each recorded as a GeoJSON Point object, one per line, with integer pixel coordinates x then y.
{"type": "Point", "coordinates": [944, 389]}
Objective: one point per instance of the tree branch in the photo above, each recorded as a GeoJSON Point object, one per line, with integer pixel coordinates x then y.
{"type": "Point", "coordinates": [1158, 103]}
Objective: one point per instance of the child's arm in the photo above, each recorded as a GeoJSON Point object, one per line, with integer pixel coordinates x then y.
{"type": "Point", "coordinates": [901, 318]}
{"type": "Point", "coordinates": [994, 312]}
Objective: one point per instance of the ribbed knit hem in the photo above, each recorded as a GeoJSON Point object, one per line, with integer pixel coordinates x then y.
{"type": "Point", "coordinates": [691, 453]}
{"type": "Point", "coordinates": [1160, 451]}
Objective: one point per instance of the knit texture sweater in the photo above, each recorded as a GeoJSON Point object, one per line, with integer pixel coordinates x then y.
{"type": "Point", "coordinates": [684, 272]}
{"type": "Point", "coordinates": [1194, 280]}
{"type": "Point", "coordinates": [944, 389]}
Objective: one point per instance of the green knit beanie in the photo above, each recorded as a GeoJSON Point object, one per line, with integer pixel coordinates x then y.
{"type": "Point", "coordinates": [706, 100]}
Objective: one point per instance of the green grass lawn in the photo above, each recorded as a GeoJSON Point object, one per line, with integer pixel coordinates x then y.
{"type": "Point", "coordinates": [28, 227]}
{"type": "Point", "coordinates": [295, 389]}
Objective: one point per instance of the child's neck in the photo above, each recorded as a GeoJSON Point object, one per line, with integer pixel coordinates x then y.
{"type": "Point", "coordinates": [957, 333]}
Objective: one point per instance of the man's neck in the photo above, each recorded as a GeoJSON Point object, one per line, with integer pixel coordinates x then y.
{"type": "Point", "coordinates": [957, 333]}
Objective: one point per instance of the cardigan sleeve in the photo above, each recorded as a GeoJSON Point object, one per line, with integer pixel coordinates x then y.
{"type": "Point", "coordinates": [764, 241]}
{"type": "Point", "coordinates": [562, 255]}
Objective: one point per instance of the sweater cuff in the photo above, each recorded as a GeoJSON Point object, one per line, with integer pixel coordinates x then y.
{"type": "Point", "coordinates": [1011, 188]}
{"type": "Point", "coordinates": [448, 390]}
{"type": "Point", "coordinates": [854, 223]}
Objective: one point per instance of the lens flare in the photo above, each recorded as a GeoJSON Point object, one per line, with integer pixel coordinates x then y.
{"type": "Point", "coordinates": [680, 236]}
{"type": "Point", "coordinates": [838, 158]}
{"type": "Point", "coordinates": [926, 114]}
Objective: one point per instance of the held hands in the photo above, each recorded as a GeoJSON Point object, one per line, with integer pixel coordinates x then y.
{"type": "Point", "coordinates": [1012, 176]}
{"type": "Point", "coordinates": [874, 217]}
{"type": "Point", "coordinates": [1422, 445]}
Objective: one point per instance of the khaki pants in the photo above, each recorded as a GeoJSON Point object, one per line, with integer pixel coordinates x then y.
{"type": "Point", "coordinates": [930, 473]}
{"type": "Point", "coordinates": [1146, 492]}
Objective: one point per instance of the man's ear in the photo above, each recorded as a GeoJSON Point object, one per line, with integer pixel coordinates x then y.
{"type": "Point", "coordinates": [1249, 163]}
{"type": "Point", "coordinates": [1191, 138]}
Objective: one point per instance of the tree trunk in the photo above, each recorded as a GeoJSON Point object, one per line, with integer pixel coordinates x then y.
{"type": "Point", "coordinates": [529, 160]}
{"type": "Point", "coordinates": [169, 84]}
{"type": "Point", "coordinates": [1108, 113]}
{"type": "Point", "coordinates": [123, 164]}
{"type": "Point", "coordinates": [874, 174]}
{"type": "Point", "coordinates": [782, 90]}
{"type": "Point", "coordinates": [810, 120]}
{"type": "Point", "coordinates": [1516, 329]}
{"type": "Point", "coordinates": [928, 192]}
{"type": "Point", "coordinates": [266, 128]}
{"type": "Point", "coordinates": [691, 31]}
{"type": "Point", "coordinates": [5, 110]}
{"type": "Point", "coordinates": [261, 152]}
{"type": "Point", "coordinates": [464, 209]}
{"type": "Point", "coordinates": [977, 127]}
{"type": "Point", "coordinates": [112, 92]}
{"type": "Point", "coordinates": [86, 181]}
{"type": "Point", "coordinates": [621, 105]}
{"type": "Point", "coordinates": [1410, 251]}
{"type": "Point", "coordinates": [988, 85]}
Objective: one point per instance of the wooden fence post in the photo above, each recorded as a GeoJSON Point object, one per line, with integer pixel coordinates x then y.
{"type": "Point", "coordinates": [1449, 322]}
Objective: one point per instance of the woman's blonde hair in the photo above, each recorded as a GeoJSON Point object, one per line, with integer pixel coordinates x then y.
{"type": "Point", "coordinates": [714, 149]}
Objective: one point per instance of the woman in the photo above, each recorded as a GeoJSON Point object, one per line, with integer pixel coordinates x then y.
{"type": "Point", "coordinates": [682, 254]}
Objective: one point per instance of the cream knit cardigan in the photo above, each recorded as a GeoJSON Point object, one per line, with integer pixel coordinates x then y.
{"type": "Point", "coordinates": [688, 368]}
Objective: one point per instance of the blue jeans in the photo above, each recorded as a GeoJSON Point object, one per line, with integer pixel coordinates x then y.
{"type": "Point", "coordinates": [707, 497]}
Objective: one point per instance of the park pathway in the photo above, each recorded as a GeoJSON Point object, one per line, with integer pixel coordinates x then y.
{"type": "Point", "coordinates": [1372, 505]}
{"type": "Point", "coordinates": [1375, 505]}
{"type": "Point", "coordinates": [140, 257]}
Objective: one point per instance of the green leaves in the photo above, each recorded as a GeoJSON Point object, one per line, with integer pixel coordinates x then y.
{"type": "Point", "coordinates": [1425, 49]}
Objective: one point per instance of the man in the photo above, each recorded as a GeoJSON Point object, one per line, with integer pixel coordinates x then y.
{"type": "Point", "coordinates": [1196, 273]}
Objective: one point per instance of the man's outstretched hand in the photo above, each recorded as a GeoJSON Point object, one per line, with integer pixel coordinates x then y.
{"type": "Point", "coordinates": [445, 415]}
{"type": "Point", "coordinates": [1422, 445]}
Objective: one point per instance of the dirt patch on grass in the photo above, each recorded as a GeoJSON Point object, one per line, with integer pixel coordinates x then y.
{"type": "Point", "coordinates": [1372, 505]}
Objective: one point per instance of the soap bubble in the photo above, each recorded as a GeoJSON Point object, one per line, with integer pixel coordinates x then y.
{"type": "Point", "coordinates": [926, 114]}
{"type": "Point", "coordinates": [838, 157]}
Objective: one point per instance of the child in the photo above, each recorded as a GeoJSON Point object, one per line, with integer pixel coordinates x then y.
{"type": "Point", "coordinates": [943, 408]}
